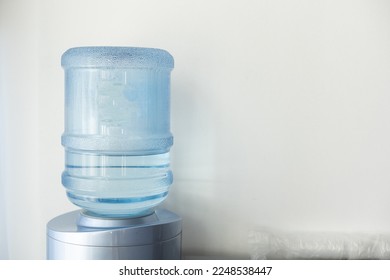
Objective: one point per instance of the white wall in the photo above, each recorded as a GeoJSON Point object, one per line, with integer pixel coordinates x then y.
{"type": "Point", "coordinates": [3, 221]}
{"type": "Point", "coordinates": [279, 112]}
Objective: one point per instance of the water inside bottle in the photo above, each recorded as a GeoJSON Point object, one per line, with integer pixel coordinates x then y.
{"type": "Point", "coordinates": [117, 185]}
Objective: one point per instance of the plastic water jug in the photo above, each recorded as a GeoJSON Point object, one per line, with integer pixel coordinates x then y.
{"type": "Point", "coordinates": [117, 129]}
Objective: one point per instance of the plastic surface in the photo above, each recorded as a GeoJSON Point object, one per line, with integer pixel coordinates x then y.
{"type": "Point", "coordinates": [77, 235]}
{"type": "Point", "coordinates": [76, 228]}
{"type": "Point", "coordinates": [117, 129]}
{"type": "Point", "coordinates": [277, 245]}
{"type": "Point", "coordinates": [117, 57]}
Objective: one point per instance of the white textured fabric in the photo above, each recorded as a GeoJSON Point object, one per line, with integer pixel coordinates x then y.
{"type": "Point", "coordinates": [269, 244]}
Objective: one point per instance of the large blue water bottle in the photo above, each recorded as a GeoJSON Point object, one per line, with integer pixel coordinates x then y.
{"type": "Point", "coordinates": [117, 129]}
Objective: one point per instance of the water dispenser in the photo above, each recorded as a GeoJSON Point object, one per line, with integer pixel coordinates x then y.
{"type": "Point", "coordinates": [117, 169]}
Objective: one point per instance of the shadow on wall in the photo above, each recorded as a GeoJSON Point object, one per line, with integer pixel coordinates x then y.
{"type": "Point", "coordinates": [199, 195]}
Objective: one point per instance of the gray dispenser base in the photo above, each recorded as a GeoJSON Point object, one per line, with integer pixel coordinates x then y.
{"type": "Point", "coordinates": [79, 236]}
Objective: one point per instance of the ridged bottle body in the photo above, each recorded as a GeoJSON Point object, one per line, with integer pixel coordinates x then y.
{"type": "Point", "coordinates": [117, 129]}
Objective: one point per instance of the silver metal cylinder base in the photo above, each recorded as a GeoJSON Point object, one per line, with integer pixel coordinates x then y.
{"type": "Point", "coordinates": [80, 236]}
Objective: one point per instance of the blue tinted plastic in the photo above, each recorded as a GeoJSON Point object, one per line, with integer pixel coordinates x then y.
{"type": "Point", "coordinates": [117, 129]}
